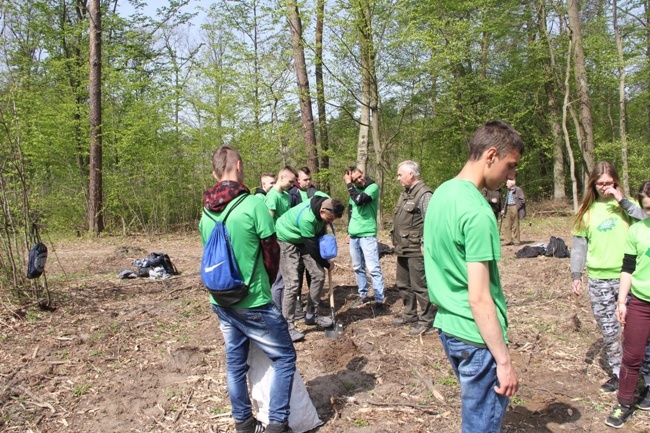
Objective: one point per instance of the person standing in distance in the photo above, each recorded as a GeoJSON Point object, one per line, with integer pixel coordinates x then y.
{"type": "Point", "coordinates": [267, 180]}
{"type": "Point", "coordinates": [407, 239]}
{"type": "Point", "coordinates": [461, 250]}
{"type": "Point", "coordinates": [255, 318]}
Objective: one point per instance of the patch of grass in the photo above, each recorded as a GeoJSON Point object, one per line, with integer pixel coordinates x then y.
{"type": "Point", "coordinates": [517, 400]}
{"type": "Point", "coordinates": [219, 410]}
{"type": "Point", "coordinates": [96, 352]}
{"type": "Point", "coordinates": [448, 381]}
{"type": "Point", "coordinates": [360, 422]}
{"type": "Point", "coordinates": [348, 385]}
{"type": "Point", "coordinates": [80, 390]}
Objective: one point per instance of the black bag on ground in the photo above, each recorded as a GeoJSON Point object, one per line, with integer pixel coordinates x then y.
{"type": "Point", "coordinates": [37, 259]}
{"type": "Point", "coordinates": [161, 259]}
{"type": "Point", "coordinates": [557, 248]}
{"type": "Point", "coordinates": [529, 252]}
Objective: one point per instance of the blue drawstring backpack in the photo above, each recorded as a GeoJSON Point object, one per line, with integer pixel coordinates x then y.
{"type": "Point", "coordinates": [219, 269]}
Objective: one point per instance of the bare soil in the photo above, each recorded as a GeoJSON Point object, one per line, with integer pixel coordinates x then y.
{"type": "Point", "coordinates": [147, 356]}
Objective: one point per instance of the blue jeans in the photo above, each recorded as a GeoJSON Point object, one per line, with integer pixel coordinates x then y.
{"type": "Point", "coordinates": [363, 252]}
{"type": "Point", "coordinates": [265, 327]}
{"type": "Point", "coordinates": [482, 408]}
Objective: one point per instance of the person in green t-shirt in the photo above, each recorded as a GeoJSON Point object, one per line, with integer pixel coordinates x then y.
{"type": "Point", "coordinates": [255, 319]}
{"type": "Point", "coordinates": [634, 313]}
{"type": "Point", "coordinates": [362, 236]}
{"type": "Point", "coordinates": [277, 198]}
{"type": "Point", "coordinates": [461, 249]}
{"type": "Point", "coordinates": [278, 202]}
{"type": "Point", "coordinates": [267, 180]}
{"type": "Point", "coordinates": [298, 231]}
{"type": "Point", "coordinates": [599, 232]}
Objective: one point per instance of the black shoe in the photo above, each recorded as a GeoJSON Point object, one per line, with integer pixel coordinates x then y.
{"type": "Point", "coordinates": [315, 319]}
{"type": "Point", "coordinates": [402, 322]}
{"type": "Point", "coordinates": [610, 386]}
{"type": "Point", "coordinates": [278, 428]}
{"type": "Point", "coordinates": [619, 415]}
{"type": "Point", "coordinates": [378, 308]}
{"type": "Point", "coordinates": [361, 302]}
{"type": "Point", "coordinates": [251, 425]}
{"type": "Point", "coordinates": [421, 330]}
{"type": "Point", "coordinates": [644, 403]}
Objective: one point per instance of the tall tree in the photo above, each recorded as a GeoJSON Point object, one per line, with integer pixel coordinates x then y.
{"type": "Point", "coordinates": [622, 116]}
{"type": "Point", "coordinates": [95, 190]}
{"type": "Point", "coordinates": [580, 72]}
{"type": "Point", "coordinates": [320, 96]}
{"type": "Point", "coordinates": [304, 96]}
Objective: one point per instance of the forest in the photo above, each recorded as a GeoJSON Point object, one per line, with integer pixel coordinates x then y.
{"type": "Point", "coordinates": [109, 115]}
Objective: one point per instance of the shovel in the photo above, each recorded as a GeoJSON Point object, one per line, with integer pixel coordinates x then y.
{"type": "Point", "coordinates": [336, 328]}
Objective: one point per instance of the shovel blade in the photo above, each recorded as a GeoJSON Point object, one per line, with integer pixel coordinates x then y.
{"type": "Point", "coordinates": [334, 331]}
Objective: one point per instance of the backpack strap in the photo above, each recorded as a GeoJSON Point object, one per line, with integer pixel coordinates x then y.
{"type": "Point", "coordinates": [232, 206]}
{"type": "Point", "coordinates": [301, 211]}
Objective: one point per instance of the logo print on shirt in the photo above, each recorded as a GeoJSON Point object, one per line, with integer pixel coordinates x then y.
{"type": "Point", "coordinates": [647, 253]}
{"type": "Point", "coordinates": [212, 268]}
{"type": "Point", "coordinates": [607, 225]}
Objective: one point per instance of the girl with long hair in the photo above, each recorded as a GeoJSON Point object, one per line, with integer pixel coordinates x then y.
{"type": "Point", "coordinates": [599, 234]}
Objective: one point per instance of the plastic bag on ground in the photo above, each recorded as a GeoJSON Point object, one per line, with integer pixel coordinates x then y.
{"type": "Point", "coordinates": [303, 416]}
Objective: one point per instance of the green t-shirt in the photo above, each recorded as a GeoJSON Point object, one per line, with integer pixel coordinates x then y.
{"type": "Point", "coordinates": [460, 228]}
{"type": "Point", "coordinates": [638, 244]}
{"type": "Point", "coordinates": [363, 220]}
{"type": "Point", "coordinates": [249, 222]}
{"type": "Point", "coordinates": [278, 202]}
{"type": "Point", "coordinates": [303, 195]}
{"type": "Point", "coordinates": [308, 225]}
{"type": "Point", "coordinates": [606, 231]}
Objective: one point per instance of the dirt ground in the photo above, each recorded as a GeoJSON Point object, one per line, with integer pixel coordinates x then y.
{"type": "Point", "coordinates": [147, 356]}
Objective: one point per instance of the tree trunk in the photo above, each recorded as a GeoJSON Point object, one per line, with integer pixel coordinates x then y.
{"type": "Point", "coordinates": [567, 140]}
{"type": "Point", "coordinates": [559, 186]}
{"type": "Point", "coordinates": [306, 115]}
{"type": "Point", "coordinates": [580, 72]}
{"type": "Point", "coordinates": [320, 96]}
{"type": "Point", "coordinates": [95, 216]}
{"type": "Point", "coordinates": [621, 97]}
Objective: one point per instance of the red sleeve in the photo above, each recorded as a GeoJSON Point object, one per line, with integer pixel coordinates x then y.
{"type": "Point", "coordinates": [271, 255]}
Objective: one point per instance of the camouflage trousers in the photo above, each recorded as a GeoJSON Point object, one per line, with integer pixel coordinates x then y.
{"type": "Point", "coordinates": [603, 295]}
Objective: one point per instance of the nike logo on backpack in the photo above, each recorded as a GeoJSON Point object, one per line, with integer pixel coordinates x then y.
{"type": "Point", "coordinates": [212, 268]}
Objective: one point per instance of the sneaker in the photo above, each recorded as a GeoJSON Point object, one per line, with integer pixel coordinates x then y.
{"type": "Point", "coordinates": [610, 386]}
{"type": "Point", "coordinates": [421, 330]}
{"type": "Point", "coordinates": [644, 403]}
{"type": "Point", "coordinates": [402, 322]}
{"type": "Point", "coordinates": [362, 301]}
{"type": "Point", "coordinates": [323, 322]}
{"type": "Point", "coordinates": [619, 415]}
{"type": "Point", "coordinates": [278, 428]}
{"type": "Point", "coordinates": [378, 308]}
{"type": "Point", "coordinates": [251, 425]}
{"type": "Point", "coordinates": [299, 312]}
{"type": "Point", "coordinates": [295, 335]}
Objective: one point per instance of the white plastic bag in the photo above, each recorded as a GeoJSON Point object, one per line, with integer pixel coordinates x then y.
{"type": "Point", "coordinates": [303, 416]}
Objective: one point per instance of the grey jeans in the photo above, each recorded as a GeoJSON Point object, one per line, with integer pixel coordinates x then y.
{"type": "Point", "coordinates": [291, 256]}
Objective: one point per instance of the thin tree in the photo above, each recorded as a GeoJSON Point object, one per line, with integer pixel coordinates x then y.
{"type": "Point", "coordinates": [95, 216]}
{"type": "Point", "coordinates": [580, 72]}
{"type": "Point", "coordinates": [621, 98]}
{"type": "Point", "coordinates": [320, 95]}
{"type": "Point", "coordinates": [306, 114]}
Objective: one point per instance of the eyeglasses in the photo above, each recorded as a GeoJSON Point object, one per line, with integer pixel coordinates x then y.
{"type": "Point", "coordinates": [605, 183]}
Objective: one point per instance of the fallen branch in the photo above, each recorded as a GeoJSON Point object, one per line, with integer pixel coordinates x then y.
{"type": "Point", "coordinates": [39, 402]}
{"type": "Point", "coordinates": [412, 405]}
{"type": "Point", "coordinates": [187, 403]}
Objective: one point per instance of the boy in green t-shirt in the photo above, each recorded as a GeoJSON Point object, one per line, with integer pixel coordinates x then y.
{"type": "Point", "coordinates": [461, 249]}
{"type": "Point", "coordinates": [255, 318]}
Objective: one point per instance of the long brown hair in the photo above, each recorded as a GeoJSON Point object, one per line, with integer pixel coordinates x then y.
{"type": "Point", "coordinates": [591, 193]}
